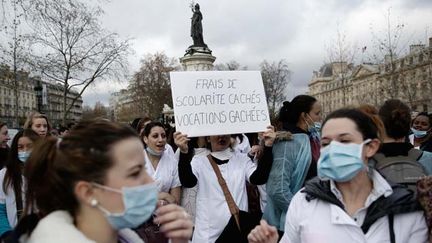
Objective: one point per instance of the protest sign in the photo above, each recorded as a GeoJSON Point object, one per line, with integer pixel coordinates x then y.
{"type": "Point", "coordinates": [219, 102]}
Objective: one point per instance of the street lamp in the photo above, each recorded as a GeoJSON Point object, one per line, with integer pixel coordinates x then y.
{"type": "Point", "coordinates": [38, 89]}
{"type": "Point", "coordinates": [167, 116]}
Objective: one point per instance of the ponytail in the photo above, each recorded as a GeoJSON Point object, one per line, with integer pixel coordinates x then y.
{"type": "Point", "coordinates": [291, 111]}
{"type": "Point", "coordinates": [42, 181]}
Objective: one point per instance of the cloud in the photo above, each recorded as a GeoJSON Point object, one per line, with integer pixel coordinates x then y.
{"type": "Point", "coordinates": [249, 31]}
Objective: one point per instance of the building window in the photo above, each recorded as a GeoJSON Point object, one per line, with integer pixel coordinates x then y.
{"type": "Point", "coordinates": [425, 107]}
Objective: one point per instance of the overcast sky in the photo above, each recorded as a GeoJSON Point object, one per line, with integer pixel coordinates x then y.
{"type": "Point", "coordinates": [250, 31]}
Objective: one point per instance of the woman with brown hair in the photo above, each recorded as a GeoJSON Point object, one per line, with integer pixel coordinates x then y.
{"type": "Point", "coordinates": [93, 187]}
{"type": "Point", "coordinates": [161, 164]}
{"type": "Point", "coordinates": [349, 201]}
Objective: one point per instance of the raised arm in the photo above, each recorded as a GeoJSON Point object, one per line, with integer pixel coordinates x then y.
{"type": "Point", "coordinates": [187, 178]}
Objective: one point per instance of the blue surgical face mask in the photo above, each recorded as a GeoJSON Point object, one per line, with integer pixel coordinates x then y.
{"type": "Point", "coordinates": [341, 162]}
{"type": "Point", "coordinates": [418, 133]}
{"type": "Point", "coordinates": [154, 153]}
{"type": "Point", "coordinates": [139, 202]}
{"type": "Point", "coordinates": [315, 128]}
{"type": "Point", "coordinates": [24, 155]}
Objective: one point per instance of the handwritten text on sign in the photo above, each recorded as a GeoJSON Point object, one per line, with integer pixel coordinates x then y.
{"type": "Point", "coordinates": [219, 102]}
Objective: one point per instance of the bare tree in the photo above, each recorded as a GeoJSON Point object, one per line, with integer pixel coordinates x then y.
{"type": "Point", "coordinates": [276, 77]}
{"type": "Point", "coordinates": [13, 51]}
{"type": "Point", "coordinates": [71, 48]}
{"type": "Point", "coordinates": [150, 87]}
{"type": "Point", "coordinates": [388, 46]}
{"type": "Point", "coordinates": [229, 66]}
{"type": "Point", "coordinates": [127, 113]}
{"type": "Point", "coordinates": [341, 54]}
{"type": "Point", "coordinates": [99, 110]}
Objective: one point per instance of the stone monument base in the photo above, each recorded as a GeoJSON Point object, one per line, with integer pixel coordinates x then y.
{"type": "Point", "coordinates": [197, 59]}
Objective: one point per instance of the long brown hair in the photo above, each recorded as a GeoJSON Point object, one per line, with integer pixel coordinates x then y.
{"type": "Point", "coordinates": [56, 165]}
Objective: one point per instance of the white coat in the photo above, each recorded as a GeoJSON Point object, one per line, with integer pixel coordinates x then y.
{"type": "Point", "coordinates": [58, 227]}
{"type": "Point", "coordinates": [212, 212]}
{"type": "Point", "coordinates": [8, 198]}
{"type": "Point", "coordinates": [166, 173]}
{"type": "Point", "coordinates": [319, 221]}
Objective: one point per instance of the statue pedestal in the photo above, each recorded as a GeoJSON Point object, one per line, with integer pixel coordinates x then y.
{"type": "Point", "coordinates": [197, 59]}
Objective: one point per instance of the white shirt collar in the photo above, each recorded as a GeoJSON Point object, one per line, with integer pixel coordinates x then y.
{"type": "Point", "coordinates": [379, 187]}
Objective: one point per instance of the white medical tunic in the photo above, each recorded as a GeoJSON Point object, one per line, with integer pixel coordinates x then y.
{"type": "Point", "coordinates": [212, 212]}
{"type": "Point", "coordinates": [8, 198]}
{"type": "Point", "coordinates": [319, 221]}
{"type": "Point", "coordinates": [166, 173]}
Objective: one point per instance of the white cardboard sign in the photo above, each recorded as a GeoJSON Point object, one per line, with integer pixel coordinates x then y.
{"type": "Point", "coordinates": [219, 102]}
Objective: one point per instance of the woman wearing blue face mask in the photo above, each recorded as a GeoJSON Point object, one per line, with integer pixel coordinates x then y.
{"type": "Point", "coordinates": [295, 155]}
{"type": "Point", "coordinates": [349, 201]}
{"type": "Point", "coordinates": [12, 181]}
{"type": "Point", "coordinates": [161, 163]}
{"type": "Point", "coordinates": [421, 132]}
{"type": "Point", "coordinates": [92, 187]}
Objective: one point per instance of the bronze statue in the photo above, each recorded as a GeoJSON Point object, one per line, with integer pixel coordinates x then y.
{"type": "Point", "coordinates": [196, 27]}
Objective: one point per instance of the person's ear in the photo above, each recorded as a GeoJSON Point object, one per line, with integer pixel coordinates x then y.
{"type": "Point", "coordinates": [372, 147]}
{"type": "Point", "coordinates": [84, 192]}
{"type": "Point", "coordinates": [303, 115]}
{"type": "Point", "coordinates": [145, 139]}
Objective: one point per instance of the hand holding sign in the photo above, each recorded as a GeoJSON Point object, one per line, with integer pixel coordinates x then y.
{"type": "Point", "coordinates": [219, 102]}
{"type": "Point", "coordinates": [181, 140]}
{"type": "Point", "coordinates": [269, 136]}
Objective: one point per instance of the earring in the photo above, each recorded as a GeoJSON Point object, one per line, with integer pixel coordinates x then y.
{"type": "Point", "coordinates": [93, 202]}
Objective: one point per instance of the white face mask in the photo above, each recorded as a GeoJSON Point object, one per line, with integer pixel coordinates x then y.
{"type": "Point", "coordinates": [201, 151]}
{"type": "Point", "coordinates": [154, 153]}
{"type": "Point", "coordinates": [223, 155]}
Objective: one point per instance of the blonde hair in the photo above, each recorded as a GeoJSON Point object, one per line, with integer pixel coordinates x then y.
{"type": "Point", "coordinates": [34, 115]}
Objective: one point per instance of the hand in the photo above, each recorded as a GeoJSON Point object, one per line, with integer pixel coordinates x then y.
{"type": "Point", "coordinates": [175, 223]}
{"type": "Point", "coordinates": [263, 233]}
{"type": "Point", "coordinates": [181, 140]}
{"type": "Point", "coordinates": [256, 151]}
{"type": "Point", "coordinates": [166, 197]}
{"type": "Point", "coordinates": [269, 136]}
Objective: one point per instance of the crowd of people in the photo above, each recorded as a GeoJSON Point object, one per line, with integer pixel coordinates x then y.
{"type": "Point", "coordinates": [350, 176]}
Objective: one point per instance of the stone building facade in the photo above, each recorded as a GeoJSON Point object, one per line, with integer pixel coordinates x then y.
{"type": "Point", "coordinates": [26, 96]}
{"type": "Point", "coordinates": [27, 99]}
{"type": "Point", "coordinates": [54, 104]}
{"type": "Point", "coordinates": [122, 107]}
{"type": "Point", "coordinates": [408, 78]}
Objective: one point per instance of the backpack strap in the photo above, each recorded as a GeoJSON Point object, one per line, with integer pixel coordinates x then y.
{"type": "Point", "coordinates": [391, 228]}
{"type": "Point", "coordinates": [382, 161]}
{"type": "Point", "coordinates": [415, 154]}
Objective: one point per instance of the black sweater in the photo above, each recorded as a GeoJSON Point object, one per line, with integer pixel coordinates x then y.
{"type": "Point", "coordinates": [258, 177]}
